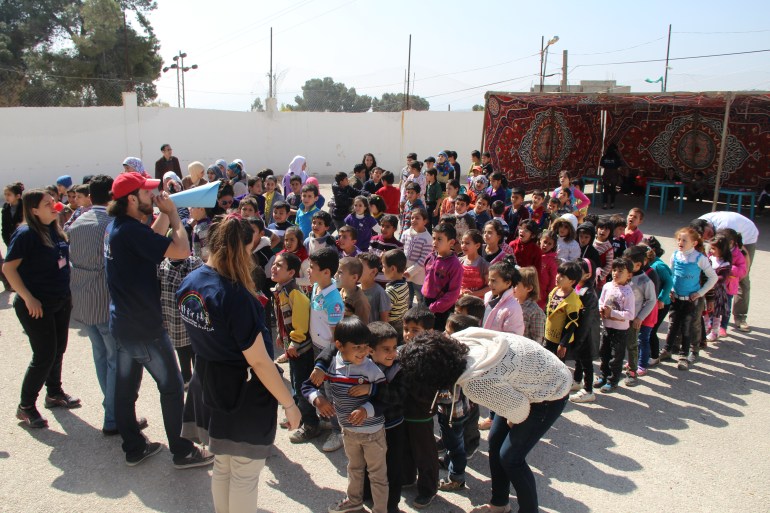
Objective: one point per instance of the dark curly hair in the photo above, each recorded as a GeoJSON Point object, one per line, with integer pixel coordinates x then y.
{"type": "Point", "coordinates": [433, 361]}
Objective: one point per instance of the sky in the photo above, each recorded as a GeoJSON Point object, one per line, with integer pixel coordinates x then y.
{"type": "Point", "coordinates": [460, 50]}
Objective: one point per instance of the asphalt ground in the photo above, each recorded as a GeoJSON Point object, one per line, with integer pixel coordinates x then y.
{"type": "Point", "coordinates": [680, 441]}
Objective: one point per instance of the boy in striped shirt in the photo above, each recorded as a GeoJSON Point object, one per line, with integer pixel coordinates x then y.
{"type": "Point", "coordinates": [397, 289]}
{"type": "Point", "coordinates": [363, 427]}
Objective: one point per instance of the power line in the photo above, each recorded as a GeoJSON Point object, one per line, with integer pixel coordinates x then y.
{"type": "Point", "coordinates": [726, 32]}
{"type": "Point", "coordinates": [622, 49]}
{"type": "Point", "coordinates": [671, 59]}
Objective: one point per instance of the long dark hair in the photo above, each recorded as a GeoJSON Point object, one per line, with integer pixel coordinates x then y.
{"type": "Point", "coordinates": [31, 199]}
{"type": "Point", "coordinates": [229, 237]}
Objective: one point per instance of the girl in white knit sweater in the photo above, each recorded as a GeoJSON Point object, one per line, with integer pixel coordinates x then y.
{"type": "Point", "coordinates": [525, 384]}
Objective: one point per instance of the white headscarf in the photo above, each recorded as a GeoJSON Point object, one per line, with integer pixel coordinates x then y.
{"type": "Point", "coordinates": [295, 169]}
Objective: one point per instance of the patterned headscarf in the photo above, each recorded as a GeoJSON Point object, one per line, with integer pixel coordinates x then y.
{"type": "Point", "coordinates": [136, 163]}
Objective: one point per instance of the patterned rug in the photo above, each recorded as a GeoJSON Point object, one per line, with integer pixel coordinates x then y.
{"type": "Point", "coordinates": [532, 137]}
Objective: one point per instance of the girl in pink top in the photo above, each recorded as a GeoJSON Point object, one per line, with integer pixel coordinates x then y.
{"type": "Point", "coordinates": [503, 311]}
{"type": "Point", "coordinates": [579, 200]}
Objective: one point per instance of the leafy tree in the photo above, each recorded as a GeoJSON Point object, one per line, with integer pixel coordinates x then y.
{"type": "Point", "coordinates": [257, 106]}
{"type": "Point", "coordinates": [477, 108]}
{"type": "Point", "coordinates": [397, 102]}
{"type": "Point", "coordinates": [326, 95]}
{"type": "Point", "coordinates": [72, 53]}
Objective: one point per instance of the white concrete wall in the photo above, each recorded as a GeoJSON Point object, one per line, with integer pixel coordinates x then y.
{"type": "Point", "coordinates": [39, 144]}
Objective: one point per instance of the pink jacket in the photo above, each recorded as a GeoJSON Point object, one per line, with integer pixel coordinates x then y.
{"type": "Point", "coordinates": [738, 272]}
{"type": "Point", "coordinates": [506, 316]}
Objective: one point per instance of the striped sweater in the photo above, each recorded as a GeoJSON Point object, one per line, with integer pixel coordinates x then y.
{"type": "Point", "coordinates": [342, 376]}
{"type": "Point", "coordinates": [417, 247]}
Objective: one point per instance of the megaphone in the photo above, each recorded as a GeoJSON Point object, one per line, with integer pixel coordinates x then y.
{"type": "Point", "coordinates": [204, 196]}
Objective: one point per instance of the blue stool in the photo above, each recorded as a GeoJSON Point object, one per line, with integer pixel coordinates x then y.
{"type": "Point", "coordinates": [664, 187]}
{"type": "Point", "coordinates": [730, 193]}
{"type": "Point", "coordinates": [596, 180]}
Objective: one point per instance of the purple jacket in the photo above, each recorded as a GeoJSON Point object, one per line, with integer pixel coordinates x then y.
{"type": "Point", "coordinates": [443, 277]}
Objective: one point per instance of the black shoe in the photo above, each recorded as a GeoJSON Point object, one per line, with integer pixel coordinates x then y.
{"type": "Point", "coordinates": [62, 399]}
{"type": "Point", "coordinates": [423, 501]}
{"type": "Point", "coordinates": [113, 432]}
{"type": "Point", "coordinates": [31, 417]}
{"type": "Point", "coordinates": [197, 458]}
{"type": "Point", "coordinates": [151, 449]}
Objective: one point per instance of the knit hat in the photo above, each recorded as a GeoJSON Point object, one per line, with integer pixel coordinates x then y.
{"type": "Point", "coordinates": [65, 181]}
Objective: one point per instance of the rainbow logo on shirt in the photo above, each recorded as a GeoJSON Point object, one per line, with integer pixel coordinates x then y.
{"type": "Point", "coordinates": [192, 308]}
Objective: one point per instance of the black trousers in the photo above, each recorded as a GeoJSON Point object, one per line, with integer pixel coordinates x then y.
{"type": "Point", "coordinates": [48, 339]}
{"type": "Point", "coordinates": [684, 326]}
{"type": "Point", "coordinates": [441, 317]}
{"type": "Point", "coordinates": [612, 351]}
{"type": "Point", "coordinates": [394, 458]}
{"type": "Point", "coordinates": [584, 370]}
{"type": "Point", "coordinates": [186, 360]}
{"type": "Point", "coordinates": [421, 458]}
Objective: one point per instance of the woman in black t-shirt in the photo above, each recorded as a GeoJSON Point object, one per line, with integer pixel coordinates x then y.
{"type": "Point", "coordinates": [37, 266]}
{"type": "Point", "coordinates": [231, 403]}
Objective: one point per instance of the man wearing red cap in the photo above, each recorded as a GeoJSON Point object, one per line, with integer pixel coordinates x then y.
{"type": "Point", "coordinates": [132, 251]}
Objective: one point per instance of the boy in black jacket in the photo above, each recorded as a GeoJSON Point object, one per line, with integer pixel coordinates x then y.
{"type": "Point", "coordinates": [344, 194]}
{"type": "Point", "coordinates": [586, 233]}
{"type": "Point", "coordinates": [391, 397]}
{"type": "Point", "coordinates": [586, 338]}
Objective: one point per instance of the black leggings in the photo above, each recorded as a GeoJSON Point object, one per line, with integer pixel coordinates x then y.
{"type": "Point", "coordinates": [48, 339]}
{"type": "Point", "coordinates": [584, 370]}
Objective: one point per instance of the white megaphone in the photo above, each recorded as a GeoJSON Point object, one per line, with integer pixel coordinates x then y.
{"type": "Point", "coordinates": [204, 196]}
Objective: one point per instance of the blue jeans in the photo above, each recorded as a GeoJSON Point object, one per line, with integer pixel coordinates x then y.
{"type": "Point", "coordinates": [105, 353]}
{"type": "Point", "coordinates": [644, 346]}
{"type": "Point", "coordinates": [157, 356]}
{"type": "Point", "coordinates": [726, 318]}
{"type": "Point", "coordinates": [454, 443]}
{"type": "Point", "coordinates": [508, 449]}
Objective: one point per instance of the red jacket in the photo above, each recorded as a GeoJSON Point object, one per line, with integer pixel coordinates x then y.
{"type": "Point", "coordinates": [527, 255]}
{"type": "Point", "coordinates": [391, 195]}
{"type": "Point", "coordinates": [547, 276]}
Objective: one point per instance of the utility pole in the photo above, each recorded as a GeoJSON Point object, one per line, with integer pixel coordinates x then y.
{"type": "Point", "coordinates": [270, 76]}
{"type": "Point", "coordinates": [125, 53]}
{"type": "Point", "coordinates": [564, 71]}
{"type": "Point", "coordinates": [668, 51]}
{"type": "Point", "coordinates": [542, 49]}
{"type": "Point", "coordinates": [408, 71]}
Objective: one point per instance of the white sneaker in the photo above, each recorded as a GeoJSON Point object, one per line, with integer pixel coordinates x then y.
{"type": "Point", "coordinates": [691, 358]}
{"type": "Point", "coordinates": [582, 397]}
{"type": "Point", "coordinates": [712, 336]}
{"type": "Point", "coordinates": [576, 385]}
{"type": "Point", "coordinates": [332, 443]}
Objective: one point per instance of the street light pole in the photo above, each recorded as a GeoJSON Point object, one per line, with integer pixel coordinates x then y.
{"type": "Point", "coordinates": [180, 67]}
{"type": "Point", "coordinates": [544, 53]}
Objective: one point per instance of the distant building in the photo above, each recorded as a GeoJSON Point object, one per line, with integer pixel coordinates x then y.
{"type": "Point", "coordinates": [585, 86]}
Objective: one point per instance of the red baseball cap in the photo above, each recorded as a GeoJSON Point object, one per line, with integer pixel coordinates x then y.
{"type": "Point", "coordinates": [127, 183]}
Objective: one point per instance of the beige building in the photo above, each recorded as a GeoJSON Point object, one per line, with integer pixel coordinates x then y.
{"type": "Point", "coordinates": [585, 86]}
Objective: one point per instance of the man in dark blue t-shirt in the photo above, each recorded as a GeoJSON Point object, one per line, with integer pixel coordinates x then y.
{"type": "Point", "coordinates": [132, 252]}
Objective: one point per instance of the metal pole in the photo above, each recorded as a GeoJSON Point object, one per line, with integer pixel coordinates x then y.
{"type": "Point", "coordinates": [184, 102]}
{"type": "Point", "coordinates": [270, 94]}
{"type": "Point", "coordinates": [178, 91]}
{"type": "Point", "coordinates": [542, 46]}
{"type": "Point", "coordinates": [668, 51]}
{"type": "Point", "coordinates": [722, 148]}
{"type": "Point", "coordinates": [408, 71]}
{"type": "Point", "coordinates": [564, 71]}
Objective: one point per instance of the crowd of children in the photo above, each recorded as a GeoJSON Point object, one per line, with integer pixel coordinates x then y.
{"type": "Point", "coordinates": [435, 254]}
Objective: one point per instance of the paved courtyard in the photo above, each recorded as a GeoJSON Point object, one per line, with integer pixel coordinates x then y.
{"type": "Point", "coordinates": [680, 441]}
